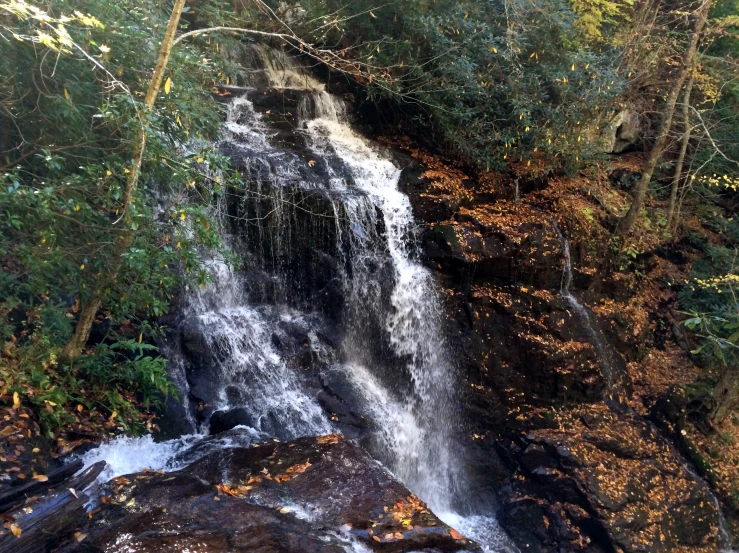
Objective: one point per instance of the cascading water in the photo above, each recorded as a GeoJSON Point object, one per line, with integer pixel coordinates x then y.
{"type": "Point", "coordinates": [424, 461]}
{"type": "Point", "coordinates": [582, 313]}
{"type": "Point", "coordinates": [336, 193]}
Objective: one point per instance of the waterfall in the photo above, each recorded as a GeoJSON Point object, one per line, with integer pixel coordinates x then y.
{"type": "Point", "coordinates": [417, 429]}
{"type": "Point", "coordinates": [321, 216]}
{"type": "Point", "coordinates": [584, 315]}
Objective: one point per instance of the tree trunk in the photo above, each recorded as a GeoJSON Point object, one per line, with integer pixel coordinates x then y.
{"type": "Point", "coordinates": [726, 394]}
{"type": "Point", "coordinates": [683, 150]}
{"type": "Point", "coordinates": [625, 224]}
{"type": "Point", "coordinates": [81, 334]}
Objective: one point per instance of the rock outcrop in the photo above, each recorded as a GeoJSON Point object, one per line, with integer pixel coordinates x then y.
{"type": "Point", "coordinates": [572, 471]}
{"type": "Point", "coordinates": [309, 495]}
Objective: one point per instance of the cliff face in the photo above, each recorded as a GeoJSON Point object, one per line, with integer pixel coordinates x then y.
{"type": "Point", "coordinates": [577, 463]}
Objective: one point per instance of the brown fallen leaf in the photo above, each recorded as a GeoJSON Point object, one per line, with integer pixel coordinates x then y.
{"type": "Point", "coordinates": [79, 536]}
{"type": "Point", "coordinates": [456, 535]}
{"type": "Point", "coordinates": [41, 478]}
{"type": "Point", "coordinates": [376, 538]}
{"type": "Point", "coordinates": [329, 439]}
{"type": "Point", "coordinates": [16, 530]}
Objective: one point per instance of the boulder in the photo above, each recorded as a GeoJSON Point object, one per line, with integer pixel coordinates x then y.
{"type": "Point", "coordinates": [221, 421]}
{"type": "Point", "coordinates": [309, 495]}
{"type": "Point", "coordinates": [604, 480]}
{"type": "Point", "coordinates": [622, 132]}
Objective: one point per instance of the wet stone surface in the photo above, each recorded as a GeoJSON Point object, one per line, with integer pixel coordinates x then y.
{"type": "Point", "coordinates": [309, 495]}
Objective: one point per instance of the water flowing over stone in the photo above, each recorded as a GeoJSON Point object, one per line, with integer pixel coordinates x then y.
{"type": "Point", "coordinates": [585, 317]}
{"type": "Point", "coordinates": [331, 288]}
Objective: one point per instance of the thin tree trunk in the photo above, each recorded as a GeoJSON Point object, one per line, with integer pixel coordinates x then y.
{"type": "Point", "coordinates": [683, 150]}
{"type": "Point", "coordinates": [625, 224]}
{"type": "Point", "coordinates": [726, 393]}
{"type": "Point", "coordinates": [81, 334]}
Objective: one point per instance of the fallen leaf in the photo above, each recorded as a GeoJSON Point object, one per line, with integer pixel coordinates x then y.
{"type": "Point", "coordinates": [16, 530]}
{"type": "Point", "coordinates": [167, 85]}
{"type": "Point", "coordinates": [456, 535]}
{"type": "Point", "coordinates": [79, 536]}
{"type": "Point", "coordinates": [16, 400]}
{"type": "Point", "coordinates": [41, 478]}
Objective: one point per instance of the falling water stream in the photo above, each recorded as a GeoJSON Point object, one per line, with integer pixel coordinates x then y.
{"type": "Point", "coordinates": [392, 350]}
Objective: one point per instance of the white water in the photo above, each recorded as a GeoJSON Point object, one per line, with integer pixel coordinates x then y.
{"type": "Point", "coordinates": [415, 420]}
{"type": "Point", "coordinates": [584, 315]}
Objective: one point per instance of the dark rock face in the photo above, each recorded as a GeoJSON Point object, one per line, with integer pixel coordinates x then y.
{"type": "Point", "coordinates": [221, 421]}
{"type": "Point", "coordinates": [571, 472]}
{"type": "Point", "coordinates": [604, 481]}
{"type": "Point", "coordinates": [310, 495]}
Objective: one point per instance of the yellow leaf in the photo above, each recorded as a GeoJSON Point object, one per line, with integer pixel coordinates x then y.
{"type": "Point", "coordinates": [66, 94]}
{"type": "Point", "coordinates": [16, 530]}
{"type": "Point", "coordinates": [16, 400]}
{"type": "Point", "coordinates": [573, 66]}
{"type": "Point", "coordinates": [373, 16]}
{"type": "Point", "coordinates": [80, 408]}
{"type": "Point", "coordinates": [108, 173]}
{"type": "Point", "coordinates": [41, 478]}
{"type": "Point", "coordinates": [82, 267]}
{"type": "Point", "coordinates": [183, 216]}
{"type": "Point", "coordinates": [141, 336]}
{"type": "Point", "coordinates": [167, 85]}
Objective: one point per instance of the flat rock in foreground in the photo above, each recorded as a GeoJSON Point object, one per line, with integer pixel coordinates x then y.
{"type": "Point", "coordinates": [309, 495]}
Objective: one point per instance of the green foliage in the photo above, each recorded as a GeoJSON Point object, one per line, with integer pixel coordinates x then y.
{"type": "Point", "coordinates": [497, 81]}
{"type": "Point", "coordinates": [593, 15]}
{"type": "Point", "coordinates": [68, 125]}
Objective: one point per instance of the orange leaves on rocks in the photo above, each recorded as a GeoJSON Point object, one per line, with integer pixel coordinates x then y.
{"type": "Point", "coordinates": [234, 491]}
{"type": "Point", "coordinates": [329, 439]}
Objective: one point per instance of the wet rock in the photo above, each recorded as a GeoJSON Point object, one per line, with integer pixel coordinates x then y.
{"type": "Point", "coordinates": [604, 480]}
{"type": "Point", "coordinates": [310, 495]}
{"type": "Point", "coordinates": [221, 421]}
{"type": "Point", "coordinates": [507, 244]}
